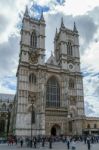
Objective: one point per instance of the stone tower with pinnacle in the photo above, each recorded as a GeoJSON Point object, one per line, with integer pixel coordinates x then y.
{"type": "Point", "coordinates": [48, 92]}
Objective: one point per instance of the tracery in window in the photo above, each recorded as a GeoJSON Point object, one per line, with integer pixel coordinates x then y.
{"type": "Point", "coordinates": [71, 83]}
{"type": "Point", "coordinates": [72, 101]}
{"type": "Point", "coordinates": [52, 93]}
{"type": "Point", "coordinates": [69, 49]}
{"type": "Point", "coordinates": [32, 79]}
{"type": "Point", "coordinates": [33, 39]}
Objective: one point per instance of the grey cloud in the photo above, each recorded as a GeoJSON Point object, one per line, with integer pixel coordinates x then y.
{"type": "Point", "coordinates": [9, 55]}
{"type": "Point", "coordinates": [87, 29]}
{"type": "Point", "coordinates": [89, 109]}
{"type": "Point", "coordinates": [3, 23]}
{"type": "Point", "coordinates": [93, 14]}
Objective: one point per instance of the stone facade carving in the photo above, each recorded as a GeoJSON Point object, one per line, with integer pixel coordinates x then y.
{"type": "Point", "coordinates": [57, 71]}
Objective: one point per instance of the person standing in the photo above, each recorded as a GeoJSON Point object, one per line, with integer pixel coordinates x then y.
{"type": "Point", "coordinates": [43, 142]}
{"type": "Point", "coordinates": [88, 144]}
{"type": "Point", "coordinates": [21, 142]}
{"type": "Point", "coordinates": [50, 142]}
{"type": "Point", "coordinates": [35, 142]}
{"type": "Point", "coordinates": [68, 143]}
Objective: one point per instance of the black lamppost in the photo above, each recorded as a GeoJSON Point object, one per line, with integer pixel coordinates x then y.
{"type": "Point", "coordinates": [8, 121]}
{"type": "Point", "coordinates": [31, 122]}
{"type": "Point", "coordinates": [32, 116]}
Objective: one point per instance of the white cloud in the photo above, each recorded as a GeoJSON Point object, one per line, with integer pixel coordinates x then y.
{"type": "Point", "coordinates": [75, 7]}
{"type": "Point", "coordinates": [8, 84]}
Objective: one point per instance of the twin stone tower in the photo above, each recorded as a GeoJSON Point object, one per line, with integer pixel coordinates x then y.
{"type": "Point", "coordinates": [49, 96]}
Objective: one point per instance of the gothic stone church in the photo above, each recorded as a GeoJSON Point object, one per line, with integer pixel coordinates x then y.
{"type": "Point", "coordinates": [49, 95]}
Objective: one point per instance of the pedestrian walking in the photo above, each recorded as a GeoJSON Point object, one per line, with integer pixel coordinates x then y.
{"type": "Point", "coordinates": [68, 144]}
{"type": "Point", "coordinates": [35, 142]}
{"type": "Point", "coordinates": [21, 142]}
{"type": "Point", "coordinates": [50, 143]}
{"type": "Point", "coordinates": [73, 145]}
{"type": "Point", "coordinates": [43, 142]}
{"type": "Point", "coordinates": [88, 144]}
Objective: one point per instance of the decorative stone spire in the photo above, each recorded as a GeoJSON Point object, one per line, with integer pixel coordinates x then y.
{"type": "Point", "coordinates": [51, 53]}
{"type": "Point", "coordinates": [62, 23]}
{"type": "Point", "coordinates": [56, 32]}
{"type": "Point", "coordinates": [26, 12]}
{"type": "Point", "coordinates": [42, 16]}
{"type": "Point", "coordinates": [75, 29]}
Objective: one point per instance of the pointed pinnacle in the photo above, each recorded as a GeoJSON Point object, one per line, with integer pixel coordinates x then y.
{"type": "Point", "coordinates": [75, 29]}
{"type": "Point", "coordinates": [56, 31]}
{"type": "Point", "coordinates": [51, 53]}
{"type": "Point", "coordinates": [62, 23]}
{"type": "Point", "coordinates": [26, 11]}
{"type": "Point", "coordinates": [42, 16]}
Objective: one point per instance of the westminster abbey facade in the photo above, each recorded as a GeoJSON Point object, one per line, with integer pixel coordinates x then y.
{"type": "Point", "coordinates": [49, 96]}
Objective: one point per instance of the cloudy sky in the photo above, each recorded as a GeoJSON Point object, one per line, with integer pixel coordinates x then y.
{"type": "Point", "coordinates": [85, 13]}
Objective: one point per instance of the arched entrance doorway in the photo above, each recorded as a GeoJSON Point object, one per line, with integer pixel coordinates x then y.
{"type": "Point", "coordinates": [55, 130]}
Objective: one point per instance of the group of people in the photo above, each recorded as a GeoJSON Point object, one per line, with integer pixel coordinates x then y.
{"type": "Point", "coordinates": [88, 140]}
{"type": "Point", "coordinates": [30, 142]}
{"type": "Point", "coordinates": [70, 141]}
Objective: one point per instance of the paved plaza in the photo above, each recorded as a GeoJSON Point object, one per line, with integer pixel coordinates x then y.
{"type": "Point", "coordinates": [56, 146]}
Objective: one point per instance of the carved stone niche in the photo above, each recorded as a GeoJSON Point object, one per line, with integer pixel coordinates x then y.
{"type": "Point", "coordinates": [32, 97]}
{"type": "Point", "coordinates": [72, 100]}
{"type": "Point", "coordinates": [33, 57]}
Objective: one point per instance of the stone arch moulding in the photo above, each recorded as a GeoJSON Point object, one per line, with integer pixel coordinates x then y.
{"type": "Point", "coordinates": [55, 129]}
{"type": "Point", "coordinates": [54, 76]}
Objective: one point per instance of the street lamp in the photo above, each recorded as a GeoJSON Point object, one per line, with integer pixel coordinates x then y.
{"type": "Point", "coordinates": [31, 124]}
{"type": "Point", "coordinates": [32, 116]}
{"type": "Point", "coordinates": [8, 121]}
{"type": "Point", "coordinates": [69, 123]}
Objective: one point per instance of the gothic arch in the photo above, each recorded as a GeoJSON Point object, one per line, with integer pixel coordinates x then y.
{"type": "Point", "coordinates": [71, 83]}
{"type": "Point", "coordinates": [52, 92]}
{"type": "Point", "coordinates": [33, 39]}
{"type": "Point", "coordinates": [54, 76]}
{"type": "Point", "coordinates": [70, 48]}
{"type": "Point", "coordinates": [73, 112]}
{"type": "Point", "coordinates": [56, 130]}
{"type": "Point", "coordinates": [4, 106]}
{"type": "Point", "coordinates": [32, 78]}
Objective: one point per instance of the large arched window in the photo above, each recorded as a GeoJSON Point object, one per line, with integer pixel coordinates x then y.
{"type": "Point", "coordinates": [52, 93]}
{"type": "Point", "coordinates": [32, 79]}
{"type": "Point", "coordinates": [33, 40]}
{"type": "Point", "coordinates": [69, 49]}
